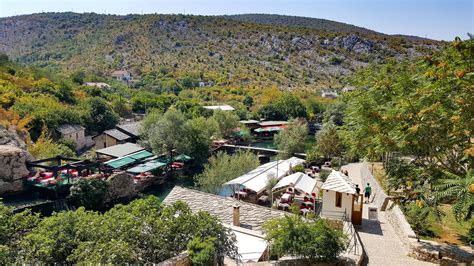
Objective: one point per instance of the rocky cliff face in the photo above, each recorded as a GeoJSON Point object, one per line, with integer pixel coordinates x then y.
{"type": "Point", "coordinates": [12, 169]}
{"type": "Point", "coordinates": [13, 158]}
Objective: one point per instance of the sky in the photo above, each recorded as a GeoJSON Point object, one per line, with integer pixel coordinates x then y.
{"type": "Point", "coordinates": [435, 19]}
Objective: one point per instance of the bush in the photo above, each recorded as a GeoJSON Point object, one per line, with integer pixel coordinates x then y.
{"type": "Point", "coordinates": [310, 239]}
{"type": "Point", "coordinates": [323, 175]}
{"type": "Point", "coordinates": [298, 168]}
{"type": "Point", "coordinates": [417, 216]}
{"type": "Point", "coordinates": [89, 193]}
{"type": "Point", "coordinates": [202, 251]}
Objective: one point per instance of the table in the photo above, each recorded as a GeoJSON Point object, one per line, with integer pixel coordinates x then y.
{"type": "Point", "coordinates": [284, 205]}
{"type": "Point", "coordinates": [286, 197]}
{"type": "Point", "coordinates": [263, 199]}
{"type": "Point", "coordinates": [242, 194]}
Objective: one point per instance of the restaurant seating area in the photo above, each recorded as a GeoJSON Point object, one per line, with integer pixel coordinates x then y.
{"type": "Point", "coordinates": [292, 189]}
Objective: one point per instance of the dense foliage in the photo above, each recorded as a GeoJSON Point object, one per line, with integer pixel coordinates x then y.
{"type": "Point", "coordinates": [307, 238]}
{"type": "Point", "coordinates": [418, 116]}
{"type": "Point", "coordinates": [143, 231]}
{"type": "Point", "coordinates": [292, 139]}
{"type": "Point", "coordinates": [223, 167]}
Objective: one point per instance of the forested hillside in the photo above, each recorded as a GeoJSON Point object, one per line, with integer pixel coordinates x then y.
{"type": "Point", "coordinates": [218, 49]}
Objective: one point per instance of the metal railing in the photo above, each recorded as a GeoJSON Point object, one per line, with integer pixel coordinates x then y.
{"type": "Point", "coordinates": [353, 236]}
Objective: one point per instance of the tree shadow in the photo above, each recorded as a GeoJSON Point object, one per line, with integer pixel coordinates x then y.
{"type": "Point", "coordinates": [370, 227]}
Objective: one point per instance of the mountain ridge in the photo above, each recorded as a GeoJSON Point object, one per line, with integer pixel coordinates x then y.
{"type": "Point", "coordinates": [228, 51]}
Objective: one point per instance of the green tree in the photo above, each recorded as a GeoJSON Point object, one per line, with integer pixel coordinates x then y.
{"type": "Point", "coordinates": [458, 190]}
{"type": "Point", "coordinates": [142, 232]}
{"type": "Point", "coordinates": [44, 147]}
{"type": "Point", "coordinates": [222, 168]}
{"type": "Point", "coordinates": [202, 251]}
{"type": "Point", "coordinates": [199, 134]}
{"type": "Point", "coordinates": [89, 194]}
{"type": "Point", "coordinates": [100, 115]}
{"type": "Point", "coordinates": [226, 120]}
{"type": "Point", "coordinates": [248, 101]}
{"type": "Point", "coordinates": [328, 142]}
{"type": "Point", "coordinates": [166, 133]}
{"type": "Point", "coordinates": [311, 239]}
{"type": "Point", "coordinates": [13, 227]}
{"type": "Point", "coordinates": [292, 139]}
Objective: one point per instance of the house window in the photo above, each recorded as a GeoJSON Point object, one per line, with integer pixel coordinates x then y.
{"type": "Point", "coordinates": [338, 199]}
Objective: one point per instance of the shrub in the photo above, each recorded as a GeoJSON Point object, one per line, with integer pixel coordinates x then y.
{"type": "Point", "coordinates": [298, 168]}
{"type": "Point", "coordinates": [89, 193]}
{"type": "Point", "coordinates": [323, 175]}
{"type": "Point", "coordinates": [202, 251]}
{"type": "Point", "coordinates": [417, 216]}
{"type": "Point", "coordinates": [312, 240]}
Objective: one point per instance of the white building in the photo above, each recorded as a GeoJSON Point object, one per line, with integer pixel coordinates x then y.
{"type": "Point", "coordinates": [101, 85]}
{"type": "Point", "coordinates": [329, 94]}
{"type": "Point", "coordinates": [75, 133]}
{"type": "Point", "coordinates": [339, 198]}
{"type": "Point", "coordinates": [220, 107]}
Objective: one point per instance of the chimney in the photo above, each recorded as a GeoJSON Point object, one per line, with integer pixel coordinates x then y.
{"type": "Point", "coordinates": [236, 215]}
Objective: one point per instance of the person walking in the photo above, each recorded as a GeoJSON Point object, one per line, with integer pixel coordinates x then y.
{"type": "Point", "coordinates": [357, 188]}
{"type": "Point", "coordinates": [367, 192]}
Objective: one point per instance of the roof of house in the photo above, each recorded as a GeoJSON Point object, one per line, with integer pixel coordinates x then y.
{"type": "Point", "coordinates": [68, 129]}
{"type": "Point", "coordinates": [272, 123]}
{"type": "Point", "coordinates": [132, 129]}
{"type": "Point", "coordinates": [117, 134]}
{"type": "Point", "coordinates": [299, 181]}
{"type": "Point", "coordinates": [120, 72]}
{"type": "Point", "coordinates": [250, 244]}
{"type": "Point", "coordinates": [220, 107]}
{"type": "Point", "coordinates": [250, 121]}
{"type": "Point", "coordinates": [120, 150]}
{"type": "Point", "coordinates": [252, 216]}
{"type": "Point", "coordinates": [339, 182]}
{"type": "Point", "coordinates": [256, 179]}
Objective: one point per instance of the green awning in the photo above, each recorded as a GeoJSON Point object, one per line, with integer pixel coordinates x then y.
{"type": "Point", "coordinates": [182, 158]}
{"type": "Point", "coordinates": [140, 155]}
{"type": "Point", "coordinates": [146, 167]}
{"type": "Point", "coordinates": [120, 162]}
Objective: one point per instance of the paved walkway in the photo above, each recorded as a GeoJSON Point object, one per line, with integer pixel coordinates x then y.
{"type": "Point", "coordinates": [382, 245]}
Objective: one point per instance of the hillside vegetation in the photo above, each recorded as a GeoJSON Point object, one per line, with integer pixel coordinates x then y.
{"type": "Point", "coordinates": [218, 49]}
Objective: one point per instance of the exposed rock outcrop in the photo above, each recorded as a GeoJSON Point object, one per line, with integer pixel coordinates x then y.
{"type": "Point", "coordinates": [12, 168]}
{"type": "Point", "coordinates": [120, 186]}
{"type": "Point", "coordinates": [13, 158]}
{"type": "Point", "coordinates": [352, 43]}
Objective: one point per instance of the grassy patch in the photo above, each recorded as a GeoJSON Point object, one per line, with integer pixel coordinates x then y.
{"type": "Point", "coordinates": [379, 173]}
{"type": "Point", "coordinates": [449, 230]}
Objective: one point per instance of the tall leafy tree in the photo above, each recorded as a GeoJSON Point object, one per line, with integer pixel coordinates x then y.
{"type": "Point", "coordinates": [328, 142]}
{"type": "Point", "coordinates": [224, 167]}
{"type": "Point", "coordinates": [313, 240]}
{"type": "Point", "coordinates": [100, 115]}
{"type": "Point", "coordinates": [292, 139]}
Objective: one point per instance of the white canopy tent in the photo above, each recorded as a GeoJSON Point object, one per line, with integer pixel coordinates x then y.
{"type": "Point", "coordinates": [299, 181]}
{"type": "Point", "coordinates": [256, 180]}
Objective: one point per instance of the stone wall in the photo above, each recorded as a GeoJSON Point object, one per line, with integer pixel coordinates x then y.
{"type": "Point", "coordinates": [12, 169]}
{"type": "Point", "coordinates": [397, 219]}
